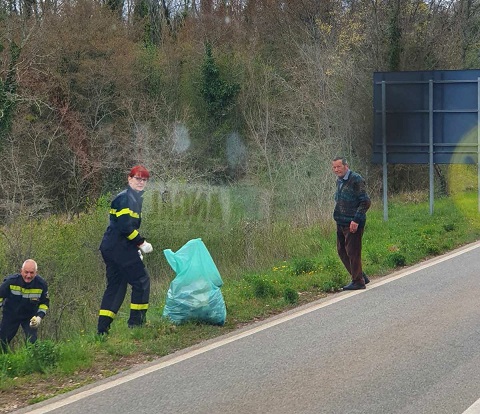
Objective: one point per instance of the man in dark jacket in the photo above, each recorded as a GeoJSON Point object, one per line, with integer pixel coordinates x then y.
{"type": "Point", "coordinates": [351, 205]}
{"type": "Point", "coordinates": [24, 299]}
{"type": "Point", "coordinates": [122, 247]}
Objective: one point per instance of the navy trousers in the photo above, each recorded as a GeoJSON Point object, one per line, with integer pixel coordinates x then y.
{"type": "Point", "coordinates": [118, 278]}
{"type": "Point", "coordinates": [9, 328]}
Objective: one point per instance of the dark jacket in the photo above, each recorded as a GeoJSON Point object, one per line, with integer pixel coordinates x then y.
{"type": "Point", "coordinates": [20, 300]}
{"type": "Point", "coordinates": [352, 200]}
{"type": "Point", "coordinates": [121, 239]}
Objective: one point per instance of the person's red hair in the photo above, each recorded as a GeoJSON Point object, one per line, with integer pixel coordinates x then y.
{"type": "Point", "coordinates": [139, 171]}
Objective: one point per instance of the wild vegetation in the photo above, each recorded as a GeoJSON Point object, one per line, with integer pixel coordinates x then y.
{"type": "Point", "coordinates": [236, 107]}
{"type": "Point", "coordinates": [210, 90]}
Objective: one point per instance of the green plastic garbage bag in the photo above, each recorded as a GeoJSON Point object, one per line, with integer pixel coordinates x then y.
{"type": "Point", "coordinates": [195, 292]}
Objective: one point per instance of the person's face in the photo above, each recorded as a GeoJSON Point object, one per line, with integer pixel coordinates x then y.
{"type": "Point", "coordinates": [137, 183]}
{"type": "Point", "coordinates": [339, 169]}
{"type": "Point", "coordinates": [28, 272]}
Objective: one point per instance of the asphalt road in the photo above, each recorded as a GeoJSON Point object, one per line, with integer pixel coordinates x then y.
{"type": "Point", "coordinates": [409, 344]}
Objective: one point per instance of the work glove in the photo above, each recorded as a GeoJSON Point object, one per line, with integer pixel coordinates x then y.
{"type": "Point", "coordinates": [146, 247]}
{"type": "Point", "coordinates": [140, 254]}
{"type": "Point", "coordinates": [35, 322]}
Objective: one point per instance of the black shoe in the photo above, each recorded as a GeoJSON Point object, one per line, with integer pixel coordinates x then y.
{"type": "Point", "coordinates": [365, 277]}
{"type": "Point", "coordinates": [354, 286]}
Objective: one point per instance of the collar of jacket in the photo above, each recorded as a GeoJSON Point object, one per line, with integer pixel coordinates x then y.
{"type": "Point", "coordinates": [136, 194]}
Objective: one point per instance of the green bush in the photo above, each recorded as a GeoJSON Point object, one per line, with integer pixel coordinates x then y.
{"type": "Point", "coordinates": [373, 256]}
{"type": "Point", "coordinates": [290, 295]}
{"type": "Point", "coordinates": [303, 265]}
{"type": "Point", "coordinates": [331, 264]}
{"type": "Point", "coordinates": [38, 357]}
{"type": "Point", "coordinates": [396, 259]}
{"type": "Point", "coordinates": [42, 355]}
{"type": "Point", "coordinates": [263, 288]}
{"type": "Point", "coordinates": [334, 283]}
{"type": "Point", "coordinates": [432, 249]}
{"type": "Point", "coordinates": [14, 364]}
{"type": "Point", "coordinates": [448, 227]}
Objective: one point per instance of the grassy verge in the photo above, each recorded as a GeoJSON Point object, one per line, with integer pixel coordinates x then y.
{"type": "Point", "coordinates": [270, 268]}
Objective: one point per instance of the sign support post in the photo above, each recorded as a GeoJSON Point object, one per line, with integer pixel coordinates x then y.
{"type": "Point", "coordinates": [384, 151]}
{"type": "Point", "coordinates": [430, 143]}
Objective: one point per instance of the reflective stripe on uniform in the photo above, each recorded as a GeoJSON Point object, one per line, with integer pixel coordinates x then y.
{"type": "Point", "coordinates": [132, 235]}
{"type": "Point", "coordinates": [25, 293]}
{"type": "Point", "coordinates": [141, 306]}
{"type": "Point", "coordinates": [124, 211]}
{"type": "Point", "coordinates": [104, 312]}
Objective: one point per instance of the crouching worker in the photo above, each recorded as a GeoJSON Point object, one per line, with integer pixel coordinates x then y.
{"type": "Point", "coordinates": [24, 300]}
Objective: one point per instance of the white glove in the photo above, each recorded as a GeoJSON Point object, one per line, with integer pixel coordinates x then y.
{"type": "Point", "coordinates": [140, 254]}
{"type": "Point", "coordinates": [35, 321]}
{"type": "Point", "coordinates": [146, 247]}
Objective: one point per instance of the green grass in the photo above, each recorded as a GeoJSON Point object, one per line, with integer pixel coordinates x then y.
{"type": "Point", "coordinates": [267, 268]}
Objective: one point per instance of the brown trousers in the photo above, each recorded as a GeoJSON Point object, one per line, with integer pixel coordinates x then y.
{"type": "Point", "coordinates": [349, 248]}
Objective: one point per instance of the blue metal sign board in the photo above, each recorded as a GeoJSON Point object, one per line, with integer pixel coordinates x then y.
{"type": "Point", "coordinates": [426, 117]}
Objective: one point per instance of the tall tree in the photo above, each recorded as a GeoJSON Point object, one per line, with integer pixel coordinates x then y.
{"type": "Point", "coordinates": [8, 88]}
{"type": "Point", "coordinates": [394, 36]}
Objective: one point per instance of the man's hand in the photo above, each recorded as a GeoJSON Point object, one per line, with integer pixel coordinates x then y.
{"type": "Point", "coordinates": [353, 227]}
{"type": "Point", "coordinates": [35, 321]}
{"type": "Point", "coordinates": [146, 247]}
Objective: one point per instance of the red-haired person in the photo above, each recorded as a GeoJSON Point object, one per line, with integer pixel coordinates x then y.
{"type": "Point", "coordinates": [122, 247]}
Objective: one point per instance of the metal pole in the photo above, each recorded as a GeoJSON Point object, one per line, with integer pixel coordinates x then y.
{"type": "Point", "coordinates": [478, 142]}
{"type": "Point", "coordinates": [384, 150]}
{"type": "Point", "coordinates": [430, 142]}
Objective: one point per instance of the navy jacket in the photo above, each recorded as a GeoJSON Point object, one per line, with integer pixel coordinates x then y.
{"type": "Point", "coordinates": [20, 301]}
{"type": "Point", "coordinates": [121, 239]}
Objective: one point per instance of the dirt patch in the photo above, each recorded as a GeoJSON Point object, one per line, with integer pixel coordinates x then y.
{"type": "Point", "coordinates": [39, 389]}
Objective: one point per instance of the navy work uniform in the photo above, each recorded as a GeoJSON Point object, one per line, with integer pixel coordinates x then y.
{"type": "Point", "coordinates": [119, 248]}
{"type": "Point", "coordinates": [20, 302]}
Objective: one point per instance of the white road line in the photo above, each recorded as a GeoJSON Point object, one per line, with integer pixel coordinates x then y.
{"type": "Point", "coordinates": [474, 409]}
